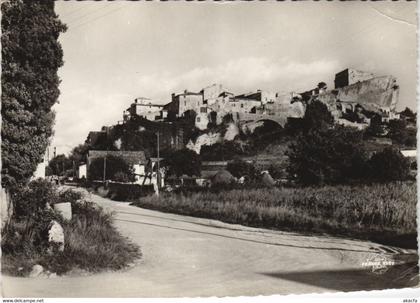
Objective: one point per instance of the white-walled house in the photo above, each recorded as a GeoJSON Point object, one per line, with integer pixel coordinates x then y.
{"type": "Point", "coordinates": [82, 171]}
{"type": "Point", "coordinates": [147, 174]}
{"type": "Point", "coordinates": [40, 170]}
{"type": "Point", "coordinates": [144, 169]}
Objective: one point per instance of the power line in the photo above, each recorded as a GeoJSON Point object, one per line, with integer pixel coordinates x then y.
{"type": "Point", "coordinates": [99, 17]}
{"type": "Point", "coordinates": [74, 11]}
{"type": "Point", "coordinates": [87, 14]}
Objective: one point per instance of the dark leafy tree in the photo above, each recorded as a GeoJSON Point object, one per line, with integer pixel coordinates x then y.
{"type": "Point", "coordinates": [34, 197]}
{"type": "Point", "coordinates": [331, 155]}
{"type": "Point", "coordinates": [228, 118]}
{"type": "Point", "coordinates": [276, 171]}
{"type": "Point", "coordinates": [31, 56]}
{"type": "Point", "coordinates": [212, 116]}
{"type": "Point", "coordinates": [266, 134]}
{"type": "Point", "coordinates": [79, 153]}
{"type": "Point", "coordinates": [189, 117]}
{"type": "Point", "coordinates": [389, 165]}
{"type": "Point", "coordinates": [182, 162]}
{"type": "Point", "coordinates": [116, 170]}
{"type": "Point", "coordinates": [240, 168]}
{"type": "Point", "coordinates": [375, 128]}
{"type": "Point", "coordinates": [317, 116]}
{"type": "Point", "coordinates": [400, 134]}
{"type": "Point", "coordinates": [59, 165]}
{"type": "Point", "coordinates": [322, 85]}
{"type": "Point", "coordinates": [408, 113]}
{"type": "Point", "coordinates": [224, 151]}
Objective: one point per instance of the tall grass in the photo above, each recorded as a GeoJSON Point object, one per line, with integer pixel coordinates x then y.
{"type": "Point", "coordinates": [379, 212]}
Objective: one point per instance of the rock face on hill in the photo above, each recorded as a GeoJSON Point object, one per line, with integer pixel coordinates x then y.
{"type": "Point", "coordinates": [378, 94]}
{"type": "Point", "coordinates": [205, 139]}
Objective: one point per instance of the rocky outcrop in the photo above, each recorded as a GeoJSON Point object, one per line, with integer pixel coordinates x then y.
{"type": "Point", "coordinates": [373, 95]}
{"type": "Point", "coordinates": [231, 132]}
{"type": "Point", "coordinates": [64, 209]}
{"type": "Point", "coordinates": [205, 139]}
{"type": "Point", "coordinates": [36, 271]}
{"type": "Point", "coordinates": [56, 237]}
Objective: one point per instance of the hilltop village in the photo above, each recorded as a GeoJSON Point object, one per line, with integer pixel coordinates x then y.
{"type": "Point", "coordinates": [214, 121]}
{"type": "Point", "coordinates": [355, 99]}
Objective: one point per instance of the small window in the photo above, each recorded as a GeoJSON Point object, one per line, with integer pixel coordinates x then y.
{"type": "Point", "coordinates": [203, 110]}
{"type": "Point", "coordinates": [242, 105]}
{"type": "Point", "coordinates": [198, 119]}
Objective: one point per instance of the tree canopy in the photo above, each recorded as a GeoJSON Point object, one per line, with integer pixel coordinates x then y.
{"type": "Point", "coordinates": [240, 168]}
{"type": "Point", "coordinates": [116, 170]}
{"type": "Point", "coordinates": [182, 162]}
{"type": "Point", "coordinates": [31, 56]}
{"type": "Point", "coordinates": [389, 165]}
{"type": "Point", "coordinates": [333, 155]}
{"type": "Point", "coordinates": [59, 165]}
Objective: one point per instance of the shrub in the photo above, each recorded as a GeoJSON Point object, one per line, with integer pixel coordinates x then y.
{"type": "Point", "coordinates": [240, 168]}
{"type": "Point", "coordinates": [400, 134]}
{"type": "Point", "coordinates": [226, 150]}
{"type": "Point", "coordinates": [70, 195]}
{"type": "Point", "coordinates": [33, 198]}
{"type": "Point", "coordinates": [317, 116]}
{"type": "Point", "coordinates": [389, 165]}
{"type": "Point", "coordinates": [182, 162]}
{"type": "Point", "coordinates": [277, 171]}
{"type": "Point", "coordinates": [29, 235]}
{"type": "Point", "coordinates": [128, 192]}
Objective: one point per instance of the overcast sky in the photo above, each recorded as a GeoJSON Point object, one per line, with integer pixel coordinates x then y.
{"type": "Point", "coordinates": [117, 51]}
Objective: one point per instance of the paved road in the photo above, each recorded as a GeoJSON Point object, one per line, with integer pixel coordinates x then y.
{"type": "Point", "coordinates": [185, 256]}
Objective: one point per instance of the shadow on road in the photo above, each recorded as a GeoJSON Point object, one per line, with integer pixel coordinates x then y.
{"type": "Point", "coordinates": [400, 276]}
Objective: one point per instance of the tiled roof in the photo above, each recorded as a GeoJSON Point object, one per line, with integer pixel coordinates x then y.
{"type": "Point", "coordinates": [131, 157]}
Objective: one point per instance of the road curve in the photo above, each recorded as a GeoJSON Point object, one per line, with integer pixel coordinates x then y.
{"type": "Point", "coordinates": [187, 257]}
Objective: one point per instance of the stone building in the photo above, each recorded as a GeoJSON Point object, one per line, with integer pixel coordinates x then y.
{"type": "Point", "coordinates": [183, 102]}
{"type": "Point", "coordinates": [351, 76]}
{"type": "Point", "coordinates": [145, 108]}
{"type": "Point", "coordinates": [371, 93]}
{"type": "Point", "coordinates": [261, 96]}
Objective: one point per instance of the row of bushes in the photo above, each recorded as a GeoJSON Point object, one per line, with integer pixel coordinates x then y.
{"type": "Point", "coordinates": [380, 212]}
{"type": "Point", "coordinates": [122, 191]}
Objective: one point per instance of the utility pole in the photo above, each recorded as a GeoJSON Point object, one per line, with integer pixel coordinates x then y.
{"type": "Point", "coordinates": [158, 165]}
{"type": "Point", "coordinates": [106, 141]}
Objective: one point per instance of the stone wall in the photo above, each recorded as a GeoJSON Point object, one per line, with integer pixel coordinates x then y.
{"type": "Point", "coordinates": [372, 94]}
{"type": "Point", "coordinates": [351, 76]}
{"type": "Point", "coordinates": [6, 207]}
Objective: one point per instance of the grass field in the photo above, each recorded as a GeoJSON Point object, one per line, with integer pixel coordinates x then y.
{"type": "Point", "coordinates": [384, 213]}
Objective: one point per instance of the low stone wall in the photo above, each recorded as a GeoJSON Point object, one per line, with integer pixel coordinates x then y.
{"type": "Point", "coordinates": [6, 206]}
